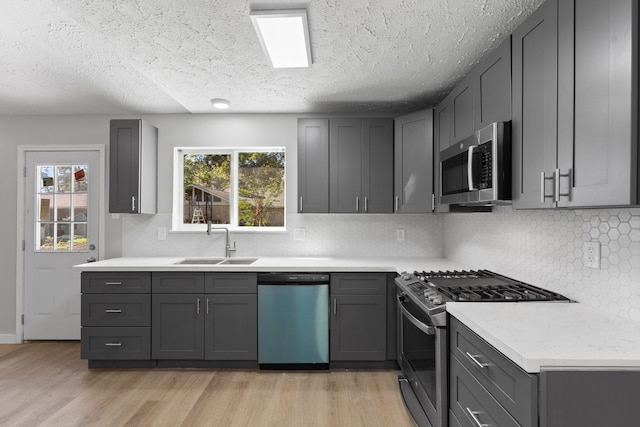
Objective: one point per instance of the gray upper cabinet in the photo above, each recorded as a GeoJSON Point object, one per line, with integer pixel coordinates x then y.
{"type": "Point", "coordinates": [361, 166]}
{"type": "Point", "coordinates": [313, 166]}
{"type": "Point", "coordinates": [345, 171]}
{"type": "Point", "coordinates": [413, 159]}
{"type": "Point", "coordinates": [133, 157]}
{"type": "Point", "coordinates": [377, 166]}
{"type": "Point", "coordinates": [462, 108]}
{"type": "Point", "coordinates": [597, 103]}
{"type": "Point", "coordinates": [535, 120]}
{"type": "Point", "coordinates": [493, 98]}
{"type": "Point", "coordinates": [574, 105]}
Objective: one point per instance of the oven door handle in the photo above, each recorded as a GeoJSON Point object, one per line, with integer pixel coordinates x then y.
{"type": "Point", "coordinates": [429, 330]}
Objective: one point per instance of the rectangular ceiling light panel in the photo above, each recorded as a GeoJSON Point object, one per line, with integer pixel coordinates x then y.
{"type": "Point", "coordinates": [284, 35]}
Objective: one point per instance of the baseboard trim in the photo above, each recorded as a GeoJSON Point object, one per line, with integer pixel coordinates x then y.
{"type": "Point", "coordinates": [8, 339]}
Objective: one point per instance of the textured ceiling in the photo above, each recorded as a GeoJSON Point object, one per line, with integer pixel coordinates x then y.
{"type": "Point", "coordinates": [173, 56]}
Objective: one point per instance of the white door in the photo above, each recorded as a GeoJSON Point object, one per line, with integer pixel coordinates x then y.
{"type": "Point", "coordinates": [61, 229]}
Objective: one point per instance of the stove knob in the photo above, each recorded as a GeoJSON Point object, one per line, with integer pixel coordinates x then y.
{"type": "Point", "coordinates": [437, 300]}
{"type": "Point", "coordinates": [406, 277]}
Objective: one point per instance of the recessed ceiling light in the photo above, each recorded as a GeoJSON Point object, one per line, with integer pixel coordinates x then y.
{"type": "Point", "coordinates": [220, 104]}
{"type": "Point", "coordinates": [284, 36]}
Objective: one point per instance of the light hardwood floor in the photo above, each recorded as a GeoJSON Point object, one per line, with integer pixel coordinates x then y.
{"type": "Point", "coordinates": [46, 383]}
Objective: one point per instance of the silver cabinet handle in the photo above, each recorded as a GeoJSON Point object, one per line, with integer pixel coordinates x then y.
{"type": "Point", "coordinates": [113, 344]}
{"type": "Point", "coordinates": [474, 416]}
{"type": "Point", "coordinates": [301, 209]}
{"type": "Point", "coordinates": [557, 176]}
{"type": "Point", "coordinates": [429, 330]}
{"type": "Point", "coordinates": [207, 306]}
{"type": "Point", "coordinates": [113, 310]}
{"type": "Point", "coordinates": [113, 283]}
{"type": "Point", "coordinates": [543, 179]}
{"type": "Point", "coordinates": [335, 306]}
{"type": "Point", "coordinates": [133, 203]}
{"type": "Point", "coordinates": [433, 202]}
{"type": "Point", "coordinates": [474, 359]}
{"type": "Point", "coordinates": [197, 305]}
{"type": "Point", "coordinates": [397, 203]}
{"type": "Point", "coordinates": [366, 204]}
{"type": "Point", "coordinates": [357, 203]}
{"type": "Point", "coordinates": [472, 185]}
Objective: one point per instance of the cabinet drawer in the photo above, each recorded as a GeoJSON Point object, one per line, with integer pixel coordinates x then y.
{"type": "Point", "coordinates": [116, 343]}
{"type": "Point", "coordinates": [512, 387]}
{"type": "Point", "coordinates": [177, 283]}
{"type": "Point", "coordinates": [231, 283]}
{"type": "Point", "coordinates": [358, 284]}
{"type": "Point", "coordinates": [120, 282]}
{"type": "Point", "coordinates": [116, 310]}
{"type": "Point", "coordinates": [471, 403]}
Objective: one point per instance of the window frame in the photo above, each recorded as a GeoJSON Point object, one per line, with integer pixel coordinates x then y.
{"type": "Point", "coordinates": [177, 215]}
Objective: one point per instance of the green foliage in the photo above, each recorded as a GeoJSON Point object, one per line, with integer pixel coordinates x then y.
{"type": "Point", "coordinates": [211, 170]}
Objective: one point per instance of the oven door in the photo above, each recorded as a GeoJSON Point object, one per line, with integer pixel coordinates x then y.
{"type": "Point", "coordinates": [423, 360]}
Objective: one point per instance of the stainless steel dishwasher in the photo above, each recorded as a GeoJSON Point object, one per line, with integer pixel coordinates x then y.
{"type": "Point", "coordinates": [293, 320]}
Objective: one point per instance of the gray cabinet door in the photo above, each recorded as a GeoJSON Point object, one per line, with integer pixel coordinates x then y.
{"type": "Point", "coordinates": [313, 166]}
{"type": "Point", "coordinates": [358, 328]}
{"type": "Point", "coordinates": [124, 161]}
{"type": "Point", "coordinates": [493, 97]}
{"type": "Point", "coordinates": [177, 326]}
{"type": "Point", "coordinates": [442, 140]}
{"type": "Point", "coordinates": [377, 166]}
{"type": "Point", "coordinates": [414, 162]}
{"type": "Point", "coordinates": [535, 121]}
{"type": "Point", "coordinates": [231, 327]}
{"type": "Point", "coordinates": [345, 165]}
{"type": "Point", "coordinates": [462, 108]}
{"type": "Point", "coordinates": [597, 102]}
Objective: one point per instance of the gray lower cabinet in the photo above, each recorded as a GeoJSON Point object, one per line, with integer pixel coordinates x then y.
{"type": "Point", "coordinates": [575, 101]}
{"type": "Point", "coordinates": [116, 316]}
{"type": "Point", "coordinates": [358, 317]}
{"type": "Point", "coordinates": [313, 166]}
{"type": "Point", "coordinates": [133, 157]}
{"type": "Point", "coordinates": [413, 183]}
{"type": "Point", "coordinates": [486, 388]}
{"type": "Point", "coordinates": [202, 320]}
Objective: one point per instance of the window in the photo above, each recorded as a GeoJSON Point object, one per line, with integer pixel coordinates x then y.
{"type": "Point", "coordinates": [61, 193]}
{"type": "Point", "coordinates": [236, 187]}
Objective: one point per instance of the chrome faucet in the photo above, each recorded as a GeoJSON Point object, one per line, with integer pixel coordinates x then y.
{"type": "Point", "coordinates": [228, 248]}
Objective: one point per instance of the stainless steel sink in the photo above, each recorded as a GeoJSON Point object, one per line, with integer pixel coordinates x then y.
{"type": "Point", "coordinates": [201, 261]}
{"type": "Point", "coordinates": [239, 261]}
{"type": "Point", "coordinates": [217, 261]}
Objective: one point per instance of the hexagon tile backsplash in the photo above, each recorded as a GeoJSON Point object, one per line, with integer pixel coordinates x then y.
{"type": "Point", "coordinates": [545, 248]}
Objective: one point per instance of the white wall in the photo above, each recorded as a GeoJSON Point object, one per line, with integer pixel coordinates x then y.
{"type": "Point", "coordinates": [131, 235]}
{"type": "Point", "coordinates": [545, 248]}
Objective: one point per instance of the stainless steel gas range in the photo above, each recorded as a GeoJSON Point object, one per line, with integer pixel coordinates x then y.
{"type": "Point", "coordinates": [422, 322]}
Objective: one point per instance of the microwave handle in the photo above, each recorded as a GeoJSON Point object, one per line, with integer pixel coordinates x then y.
{"type": "Point", "coordinates": [472, 185]}
{"type": "Point", "coordinates": [429, 330]}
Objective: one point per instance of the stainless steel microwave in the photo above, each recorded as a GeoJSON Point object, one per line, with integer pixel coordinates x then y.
{"type": "Point", "coordinates": [477, 170]}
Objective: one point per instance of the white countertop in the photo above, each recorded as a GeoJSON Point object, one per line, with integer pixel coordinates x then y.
{"type": "Point", "coordinates": [540, 336]}
{"type": "Point", "coordinates": [268, 264]}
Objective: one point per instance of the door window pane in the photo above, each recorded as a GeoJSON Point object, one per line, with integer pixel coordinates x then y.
{"type": "Point", "coordinates": [61, 203]}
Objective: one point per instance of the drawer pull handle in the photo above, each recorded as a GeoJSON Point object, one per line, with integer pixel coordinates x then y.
{"type": "Point", "coordinates": [113, 310]}
{"type": "Point", "coordinates": [113, 344]}
{"type": "Point", "coordinates": [474, 416]}
{"type": "Point", "coordinates": [113, 283]}
{"type": "Point", "coordinates": [474, 359]}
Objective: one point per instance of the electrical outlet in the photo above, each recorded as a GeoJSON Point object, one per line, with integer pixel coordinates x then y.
{"type": "Point", "coordinates": [299, 234]}
{"type": "Point", "coordinates": [591, 254]}
{"type": "Point", "coordinates": [162, 233]}
{"type": "Point", "coordinates": [400, 235]}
